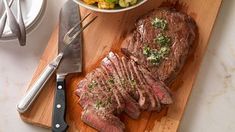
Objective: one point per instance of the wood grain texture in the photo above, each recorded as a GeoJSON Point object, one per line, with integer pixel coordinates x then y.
{"type": "Point", "coordinates": [106, 34]}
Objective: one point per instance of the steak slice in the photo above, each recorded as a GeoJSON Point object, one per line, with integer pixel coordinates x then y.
{"type": "Point", "coordinates": [113, 88]}
{"type": "Point", "coordinates": [133, 92]}
{"type": "Point", "coordinates": [155, 104]}
{"type": "Point", "coordinates": [83, 93]}
{"type": "Point", "coordinates": [143, 100]}
{"type": "Point", "coordinates": [131, 107]}
{"type": "Point", "coordinates": [181, 28]}
{"type": "Point", "coordinates": [93, 91]}
{"type": "Point", "coordinates": [110, 123]}
{"type": "Point", "coordinates": [109, 102]}
{"type": "Point", "coordinates": [79, 90]}
{"type": "Point", "coordinates": [99, 103]}
{"type": "Point", "coordinates": [87, 96]}
{"type": "Point", "coordinates": [159, 88]}
{"type": "Point", "coordinates": [124, 75]}
{"type": "Point", "coordinates": [133, 82]}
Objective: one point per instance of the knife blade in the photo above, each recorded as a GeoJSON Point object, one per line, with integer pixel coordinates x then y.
{"type": "Point", "coordinates": [71, 63]}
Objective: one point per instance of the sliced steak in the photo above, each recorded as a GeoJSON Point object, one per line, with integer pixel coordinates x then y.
{"type": "Point", "coordinates": [131, 107]}
{"type": "Point", "coordinates": [93, 91]}
{"type": "Point", "coordinates": [123, 76]}
{"type": "Point", "coordinates": [118, 96]}
{"type": "Point", "coordinates": [143, 100]}
{"type": "Point", "coordinates": [158, 104]}
{"type": "Point", "coordinates": [131, 90]}
{"type": "Point", "coordinates": [110, 124]}
{"type": "Point", "coordinates": [155, 104]}
{"type": "Point", "coordinates": [159, 88]}
{"type": "Point", "coordinates": [80, 86]}
{"type": "Point", "coordinates": [181, 28]}
{"type": "Point", "coordinates": [86, 96]}
{"type": "Point", "coordinates": [134, 107]}
{"type": "Point", "coordinates": [114, 58]}
{"type": "Point", "coordinates": [109, 102]}
{"type": "Point", "coordinates": [100, 103]}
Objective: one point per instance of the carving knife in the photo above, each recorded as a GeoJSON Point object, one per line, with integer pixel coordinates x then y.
{"type": "Point", "coordinates": [71, 63]}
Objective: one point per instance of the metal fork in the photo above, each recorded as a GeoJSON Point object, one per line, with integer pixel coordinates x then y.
{"type": "Point", "coordinates": [51, 67]}
{"type": "Point", "coordinates": [69, 36]}
{"type": "Point", "coordinates": [4, 18]}
{"type": "Point", "coordinates": [21, 24]}
{"type": "Point", "coordinates": [12, 22]}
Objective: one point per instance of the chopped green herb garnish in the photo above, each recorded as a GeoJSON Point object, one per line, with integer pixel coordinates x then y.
{"type": "Point", "coordinates": [108, 89]}
{"type": "Point", "coordinates": [155, 56]}
{"type": "Point", "coordinates": [98, 104]}
{"type": "Point", "coordinates": [146, 50]}
{"type": "Point", "coordinates": [86, 94]}
{"type": "Point", "coordinates": [164, 51]}
{"type": "Point", "coordinates": [111, 81]}
{"type": "Point", "coordinates": [133, 82]}
{"type": "Point", "coordinates": [162, 40]}
{"type": "Point", "coordinates": [107, 102]}
{"type": "Point", "coordinates": [123, 81]}
{"type": "Point", "coordinates": [92, 85]}
{"type": "Point", "coordinates": [160, 23]}
{"type": "Point", "coordinates": [101, 104]}
{"type": "Point", "coordinates": [95, 83]}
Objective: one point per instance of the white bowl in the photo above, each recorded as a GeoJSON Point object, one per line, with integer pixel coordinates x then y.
{"type": "Point", "coordinates": [115, 10]}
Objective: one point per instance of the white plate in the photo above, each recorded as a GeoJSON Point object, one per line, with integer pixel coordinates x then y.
{"type": "Point", "coordinates": [115, 10]}
{"type": "Point", "coordinates": [32, 11]}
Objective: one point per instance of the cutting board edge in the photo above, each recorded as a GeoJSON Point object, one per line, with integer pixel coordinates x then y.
{"type": "Point", "coordinates": [34, 123]}
{"type": "Point", "coordinates": [46, 126]}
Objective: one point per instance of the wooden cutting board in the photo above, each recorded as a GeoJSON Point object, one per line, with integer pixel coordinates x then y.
{"type": "Point", "coordinates": [106, 34]}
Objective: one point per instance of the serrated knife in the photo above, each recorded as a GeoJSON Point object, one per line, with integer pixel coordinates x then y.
{"type": "Point", "coordinates": [71, 63]}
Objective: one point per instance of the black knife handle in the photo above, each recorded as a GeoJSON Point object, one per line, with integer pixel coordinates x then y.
{"type": "Point", "coordinates": [58, 120]}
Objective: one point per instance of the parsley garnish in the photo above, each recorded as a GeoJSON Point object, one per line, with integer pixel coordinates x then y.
{"type": "Point", "coordinates": [92, 85]}
{"type": "Point", "coordinates": [162, 40]}
{"type": "Point", "coordinates": [133, 83]}
{"type": "Point", "coordinates": [99, 104]}
{"type": "Point", "coordinates": [155, 56]}
{"type": "Point", "coordinates": [160, 23]}
{"type": "Point", "coordinates": [111, 80]}
{"type": "Point", "coordinates": [146, 50]}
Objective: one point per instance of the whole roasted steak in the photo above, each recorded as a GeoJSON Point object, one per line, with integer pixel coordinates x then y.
{"type": "Point", "coordinates": [161, 42]}
{"type": "Point", "coordinates": [153, 55]}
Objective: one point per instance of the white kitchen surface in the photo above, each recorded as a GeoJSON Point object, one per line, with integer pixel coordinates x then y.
{"type": "Point", "coordinates": [211, 107]}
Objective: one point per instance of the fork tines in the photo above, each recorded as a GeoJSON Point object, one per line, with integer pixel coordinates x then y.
{"type": "Point", "coordinates": [69, 37]}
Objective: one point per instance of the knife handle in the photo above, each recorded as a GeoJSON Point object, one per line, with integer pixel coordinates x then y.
{"type": "Point", "coordinates": [35, 89]}
{"type": "Point", "coordinates": [58, 120]}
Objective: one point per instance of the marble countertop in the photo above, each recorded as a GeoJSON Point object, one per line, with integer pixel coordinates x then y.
{"type": "Point", "coordinates": [211, 105]}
